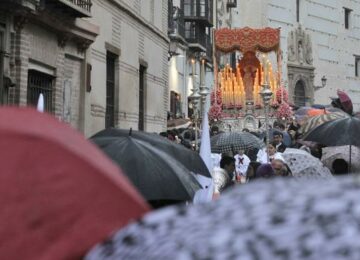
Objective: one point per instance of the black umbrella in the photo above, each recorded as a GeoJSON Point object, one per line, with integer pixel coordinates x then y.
{"type": "Point", "coordinates": [234, 141]}
{"type": "Point", "coordinates": [156, 174]}
{"type": "Point", "coordinates": [190, 159]}
{"type": "Point", "coordinates": [343, 131]}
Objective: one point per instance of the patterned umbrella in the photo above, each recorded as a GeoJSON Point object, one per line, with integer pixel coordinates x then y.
{"type": "Point", "coordinates": [345, 101]}
{"type": "Point", "coordinates": [233, 142]}
{"type": "Point", "coordinates": [315, 121]}
{"type": "Point", "coordinates": [330, 154]}
{"type": "Point", "coordinates": [282, 220]}
{"type": "Point", "coordinates": [303, 165]}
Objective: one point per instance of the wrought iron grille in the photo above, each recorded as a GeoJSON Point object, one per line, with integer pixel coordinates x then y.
{"type": "Point", "coordinates": [84, 4]}
{"type": "Point", "coordinates": [38, 83]}
{"type": "Point", "coordinates": [110, 90]}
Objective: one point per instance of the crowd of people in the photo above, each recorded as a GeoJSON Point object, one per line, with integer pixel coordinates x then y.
{"type": "Point", "coordinates": [243, 166]}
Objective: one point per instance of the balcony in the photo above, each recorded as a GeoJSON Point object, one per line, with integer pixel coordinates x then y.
{"type": "Point", "coordinates": [231, 4]}
{"type": "Point", "coordinates": [195, 36]}
{"type": "Point", "coordinates": [198, 10]}
{"type": "Point", "coordinates": [74, 8]}
{"type": "Point", "coordinates": [176, 24]}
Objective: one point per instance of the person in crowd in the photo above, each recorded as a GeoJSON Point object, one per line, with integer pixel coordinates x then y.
{"type": "Point", "coordinates": [273, 154]}
{"type": "Point", "coordinates": [223, 176]}
{"type": "Point", "coordinates": [340, 167]}
{"type": "Point", "coordinates": [278, 140]}
{"type": "Point", "coordinates": [251, 170]}
{"type": "Point", "coordinates": [241, 164]}
{"type": "Point", "coordinates": [280, 168]}
{"type": "Point", "coordinates": [214, 130]}
{"type": "Point", "coordinates": [265, 171]}
{"type": "Point", "coordinates": [293, 125]}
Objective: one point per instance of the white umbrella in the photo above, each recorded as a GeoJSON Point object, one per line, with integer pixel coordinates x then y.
{"type": "Point", "coordinates": [281, 220]}
{"type": "Point", "coordinates": [303, 165]}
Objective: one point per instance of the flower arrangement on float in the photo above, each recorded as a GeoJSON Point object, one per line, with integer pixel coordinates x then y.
{"type": "Point", "coordinates": [218, 97]}
{"type": "Point", "coordinates": [215, 112]}
{"type": "Point", "coordinates": [284, 111]}
{"type": "Point", "coordinates": [281, 95]}
{"type": "Point", "coordinates": [275, 104]}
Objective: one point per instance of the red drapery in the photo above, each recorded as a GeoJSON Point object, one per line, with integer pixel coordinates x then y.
{"type": "Point", "coordinates": [247, 39]}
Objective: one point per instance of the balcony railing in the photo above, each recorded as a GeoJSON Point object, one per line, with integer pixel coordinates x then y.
{"type": "Point", "coordinates": [195, 36]}
{"type": "Point", "coordinates": [84, 4]}
{"type": "Point", "coordinates": [200, 10]}
{"type": "Point", "coordinates": [76, 8]}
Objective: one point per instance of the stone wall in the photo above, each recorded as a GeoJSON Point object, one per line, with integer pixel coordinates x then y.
{"type": "Point", "coordinates": [140, 37]}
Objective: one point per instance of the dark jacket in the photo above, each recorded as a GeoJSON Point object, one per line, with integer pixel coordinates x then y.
{"type": "Point", "coordinates": [281, 148]}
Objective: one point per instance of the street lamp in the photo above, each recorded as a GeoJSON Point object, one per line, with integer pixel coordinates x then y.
{"type": "Point", "coordinates": [266, 97]}
{"type": "Point", "coordinates": [323, 83]}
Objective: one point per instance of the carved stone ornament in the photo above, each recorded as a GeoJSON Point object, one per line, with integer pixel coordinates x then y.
{"type": "Point", "coordinates": [20, 22]}
{"type": "Point", "coordinates": [83, 45]}
{"type": "Point", "coordinates": [300, 47]}
{"type": "Point", "coordinates": [63, 39]}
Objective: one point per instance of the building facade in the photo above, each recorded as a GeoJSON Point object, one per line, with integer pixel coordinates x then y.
{"type": "Point", "coordinates": [190, 25]}
{"type": "Point", "coordinates": [319, 39]}
{"type": "Point", "coordinates": [43, 46]}
{"type": "Point", "coordinates": [129, 66]}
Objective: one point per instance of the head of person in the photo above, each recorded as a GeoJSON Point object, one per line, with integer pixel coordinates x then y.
{"type": "Point", "coordinates": [271, 148]}
{"type": "Point", "coordinates": [340, 167]}
{"type": "Point", "coordinates": [214, 130]}
{"type": "Point", "coordinates": [241, 152]}
{"type": "Point", "coordinates": [228, 164]}
{"type": "Point", "coordinates": [265, 171]}
{"type": "Point", "coordinates": [277, 137]}
{"type": "Point", "coordinates": [251, 170]}
{"type": "Point", "coordinates": [246, 130]}
{"type": "Point", "coordinates": [281, 127]}
{"type": "Point", "coordinates": [279, 167]}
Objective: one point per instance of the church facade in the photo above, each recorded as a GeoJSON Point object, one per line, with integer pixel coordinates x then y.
{"type": "Point", "coordinates": [320, 42]}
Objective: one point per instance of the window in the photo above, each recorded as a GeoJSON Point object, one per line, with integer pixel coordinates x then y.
{"type": "Point", "coordinates": [40, 83]}
{"type": "Point", "coordinates": [347, 12]}
{"type": "Point", "coordinates": [189, 8]}
{"type": "Point", "coordinates": [357, 66]}
{"type": "Point", "coordinates": [299, 98]}
{"type": "Point", "coordinates": [297, 10]}
{"type": "Point", "coordinates": [110, 90]}
{"type": "Point", "coordinates": [142, 72]}
{"type": "Point", "coordinates": [190, 30]}
{"type": "Point", "coordinates": [175, 105]}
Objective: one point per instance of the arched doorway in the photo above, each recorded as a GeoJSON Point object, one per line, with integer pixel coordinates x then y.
{"type": "Point", "coordinates": [299, 97]}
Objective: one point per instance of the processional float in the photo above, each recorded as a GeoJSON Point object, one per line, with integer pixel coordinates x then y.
{"type": "Point", "coordinates": [235, 100]}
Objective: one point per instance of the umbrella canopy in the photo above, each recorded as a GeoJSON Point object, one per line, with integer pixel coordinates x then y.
{"type": "Point", "coordinates": [283, 220]}
{"type": "Point", "coordinates": [342, 131]}
{"type": "Point", "coordinates": [178, 123]}
{"type": "Point", "coordinates": [59, 194]}
{"type": "Point", "coordinates": [156, 174]}
{"type": "Point", "coordinates": [233, 142]}
{"type": "Point", "coordinates": [346, 103]}
{"type": "Point", "coordinates": [315, 121]}
{"type": "Point", "coordinates": [303, 165]}
{"type": "Point", "coordinates": [188, 158]}
{"type": "Point", "coordinates": [330, 154]}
